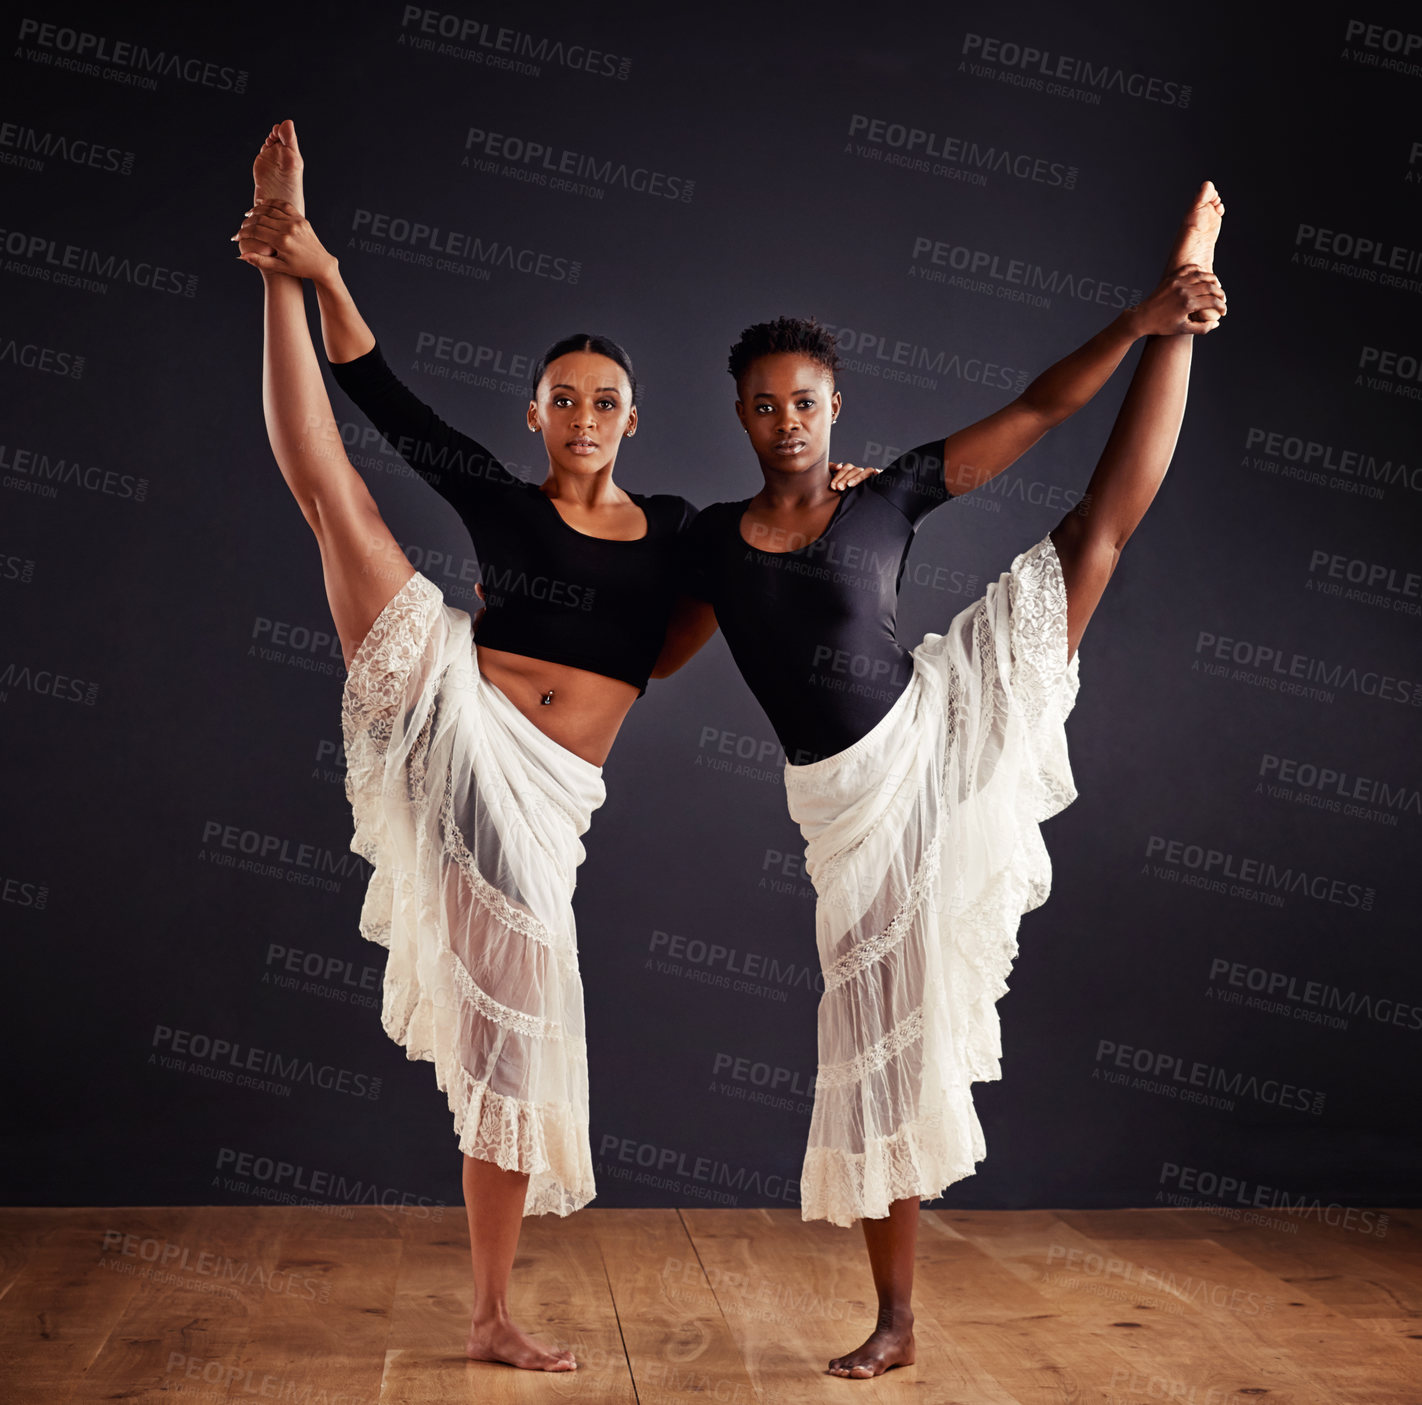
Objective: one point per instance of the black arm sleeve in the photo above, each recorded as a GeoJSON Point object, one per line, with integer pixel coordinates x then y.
{"type": "Point", "coordinates": [914, 482]}
{"type": "Point", "coordinates": [459, 468]}
{"type": "Point", "coordinates": [694, 545]}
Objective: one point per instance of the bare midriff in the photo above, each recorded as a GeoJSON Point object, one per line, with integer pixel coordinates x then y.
{"type": "Point", "coordinates": [583, 713]}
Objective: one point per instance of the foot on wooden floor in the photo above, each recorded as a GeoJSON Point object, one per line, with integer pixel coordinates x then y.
{"type": "Point", "coordinates": [886, 1348]}
{"type": "Point", "coordinates": [500, 1340]}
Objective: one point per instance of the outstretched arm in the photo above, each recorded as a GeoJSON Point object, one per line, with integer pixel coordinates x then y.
{"type": "Point", "coordinates": [343, 330]}
{"type": "Point", "coordinates": [980, 452]}
{"type": "Point", "coordinates": [1187, 302]}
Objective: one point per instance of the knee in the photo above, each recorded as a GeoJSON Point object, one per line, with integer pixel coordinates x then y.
{"type": "Point", "coordinates": [1087, 551]}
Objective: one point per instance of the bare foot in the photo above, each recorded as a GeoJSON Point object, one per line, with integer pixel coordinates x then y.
{"type": "Point", "coordinates": [888, 1346]}
{"type": "Point", "coordinates": [1195, 243]}
{"type": "Point", "coordinates": [277, 171]}
{"type": "Point", "coordinates": [500, 1340]}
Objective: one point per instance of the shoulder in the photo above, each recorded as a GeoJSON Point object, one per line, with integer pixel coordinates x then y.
{"type": "Point", "coordinates": [666, 511]}
{"type": "Point", "coordinates": [914, 483]}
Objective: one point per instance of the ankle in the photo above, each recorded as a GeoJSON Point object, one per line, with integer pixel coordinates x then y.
{"type": "Point", "coordinates": [894, 1317]}
{"type": "Point", "coordinates": [492, 1314]}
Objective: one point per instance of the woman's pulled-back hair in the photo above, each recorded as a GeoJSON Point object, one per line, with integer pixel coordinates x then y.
{"type": "Point", "coordinates": [802, 335]}
{"type": "Point", "coordinates": [585, 341]}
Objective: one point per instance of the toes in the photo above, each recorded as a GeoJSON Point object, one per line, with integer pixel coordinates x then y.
{"type": "Point", "coordinates": [858, 1370]}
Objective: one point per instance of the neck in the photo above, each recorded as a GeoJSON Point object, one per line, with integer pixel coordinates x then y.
{"type": "Point", "coordinates": [805, 487]}
{"type": "Point", "coordinates": [586, 489]}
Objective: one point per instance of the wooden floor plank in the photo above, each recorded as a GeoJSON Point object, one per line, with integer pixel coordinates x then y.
{"type": "Point", "coordinates": [677, 1338]}
{"type": "Point", "coordinates": [82, 1274]}
{"type": "Point", "coordinates": [1354, 1273]}
{"type": "Point", "coordinates": [22, 1231]}
{"type": "Point", "coordinates": [1040, 1343]}
{"type": "Point", "coordinates": [329, 1303]}
{"type": "Point", "coordinates": [1212, 1319]}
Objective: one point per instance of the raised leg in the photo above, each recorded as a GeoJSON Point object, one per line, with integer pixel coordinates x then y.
{"type": "Point", "coordinates": [1132, 467]}
{"type": "Point", "coordinates": [362, 563]}
{"type": "Point", "coordinates": [890, 1242]}
{"type": "Point", "coordinates": [493, 1200]}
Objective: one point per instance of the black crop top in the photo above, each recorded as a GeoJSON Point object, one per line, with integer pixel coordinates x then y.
{"type": "Point", "coordinates": [551, 592]}
{"type": "Point", "coordinates": [813, 631]}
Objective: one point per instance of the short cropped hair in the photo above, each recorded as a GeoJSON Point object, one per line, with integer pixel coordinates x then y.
{"type": "Point", "coordinates": [802, 335]}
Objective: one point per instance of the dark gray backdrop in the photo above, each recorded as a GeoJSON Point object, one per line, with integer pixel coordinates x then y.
{"type": "Point", "coordinates": [191, 1021]}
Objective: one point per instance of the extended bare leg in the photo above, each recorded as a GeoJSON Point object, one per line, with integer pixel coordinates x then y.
{"type": "Point", "coordinates": [1133, 464]}
{"type": "Point", "coordinates": [362, 562]}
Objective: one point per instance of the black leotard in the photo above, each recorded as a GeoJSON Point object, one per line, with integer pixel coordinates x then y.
{"type": "Point", "coordinates": [551, 591]}
{"type": "Point", "coordinates": [813, 631]}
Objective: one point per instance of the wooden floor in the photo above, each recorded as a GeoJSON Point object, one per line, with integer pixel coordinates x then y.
{"type": "Point", "coordinates": [730, 1307]}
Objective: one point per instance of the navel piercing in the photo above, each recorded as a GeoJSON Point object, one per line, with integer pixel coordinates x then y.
{"type": "Point", "coordinates": [547, 698]}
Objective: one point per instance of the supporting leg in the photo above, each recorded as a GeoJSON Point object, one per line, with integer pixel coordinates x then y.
{"type": "Point", "coordinates": [493, 1201]}
{"type": "Point", "coordinates": [890, 1242]}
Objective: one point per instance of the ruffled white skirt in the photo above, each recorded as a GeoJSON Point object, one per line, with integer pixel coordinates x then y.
{"type": "Point", "coordinates": [473, 820]}
{"type": "Point", "coordinates": [924, 849]}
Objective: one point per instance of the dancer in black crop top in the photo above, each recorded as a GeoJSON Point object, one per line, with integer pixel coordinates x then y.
{"type": "Point", "coordinates": [805, 587]}
{"type": "Point", "coordinates": [475, 990]}
{"type": "Point", "coordinates": [551, 592]}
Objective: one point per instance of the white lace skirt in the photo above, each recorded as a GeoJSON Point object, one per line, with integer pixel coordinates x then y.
{"type": "Point", "coordinates": [473, 820]}
{"type": "Point", "coordinates": [924, 849]}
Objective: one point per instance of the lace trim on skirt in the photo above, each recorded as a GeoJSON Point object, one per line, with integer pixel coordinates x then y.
{"type": "Point", "coordinates": [472, 819]}
{"type": "Point", "coordinates": [924, 846]}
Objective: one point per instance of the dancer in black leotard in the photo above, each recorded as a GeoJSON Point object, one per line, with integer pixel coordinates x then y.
{"type": "Point", "coordinates": [919, 777]}
{"type": "Point", "coordinates": [811, 628]}
{"type": "Point", "coordinates": [472, 775]}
